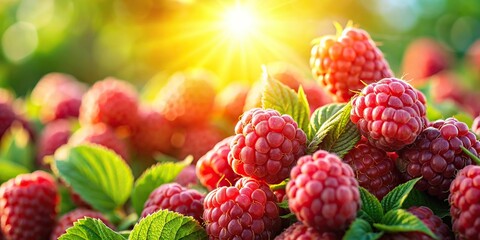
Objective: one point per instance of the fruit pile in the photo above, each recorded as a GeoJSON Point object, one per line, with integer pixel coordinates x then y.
{"type": "Point", "coordinates": [351, 155]}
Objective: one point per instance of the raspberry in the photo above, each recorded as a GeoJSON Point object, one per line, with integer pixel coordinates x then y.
{"type": "Point", "coordinates": [110, 101]}
{"type": "Point", "coordinates": [188, 98]}
{"type": "Point", "coordinates": [152, 134]}
{"type": "Point", "coordinates": [389, 113]}
{"type": "Point", "coordinates": [213, 170]}
{"type": "Point", "coordinates": [254, 96]}
{"type": "Point", "coordinates": [231, 100]}
{"type": "Point", "coordinates": [433, 222]}
{"type": "Point", "coordinates": [100, 134]}
{"type": "Point", "coordinates": [476, 125]}
{"type": "Point", "coordinates": [436, 156]}
{"type": "Point", "coordinates": [286, 74]}
{"type": "Point", "coordinates": [174, 197]}
{"type": "Point", "coordinates": [28, 206]}
{"type": "Point", "coordinates": [197, 141]}
{"type": "Point", "coordinates": [300, 231]}
{"type": "Point", "coordinates": [187, 176]}
{"type": "Point", "coordinates": [67, 220]}
{"type": "Point", "coordinates": [423, 58]}
{"type": "Point", "coordinates": [54, 135]}
{"type": "Point", "coordinates": [59, 96]}
{"type": "Point", "coordinates": [266, 145]}
{"type": "Point", "coordinates": [465, 203]}
{"type": "Point", "coordinates": [246, 211]}
{"type": "Point", "coordinates": [373, 168]}
{"type": "Point", "coordinates": [323, 192]}
{"type": "Point", "coordinates": [316, 96]}
{"type": "Point", "coordinates": [473, 57]}
{"type": "Point", "coordinates": [343, 65]}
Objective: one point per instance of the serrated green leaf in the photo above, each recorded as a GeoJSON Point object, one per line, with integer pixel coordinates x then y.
{"type": "Point", "coordinates": [96, 173]}
{"type": "Point", "coordinates": [10, 170]}
{"type": "Point", "coordinates": [370, 205]}
{"type": "Point", "coordinates": [395, 198]}
{"type": "Point", "coordinates": [361, 230]}
{"type": "Point", "coordinates": [399, 220]}
{"type": "Point", "coordinates": [90, 229]}
{"type": "Point", "coordinates": [338, 134]}
{"type": "Point", "coordinates": [165, 224]}
{"type": "Point", "coordinates": [16, 147]}
{"type": "Point", "coordinates": [285, 100]}
{"type": "Point", "coordinates": [441, 208]}
{"type": "Point", "coordinates": [152, 178]}
{"type": "Point", "coordinates": [321, 115]}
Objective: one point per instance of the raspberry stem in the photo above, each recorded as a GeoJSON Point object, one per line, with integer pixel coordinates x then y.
{"type": "Point", "coordinates": [279, 186]}
{"type": "Point", "coordinates": [471, 155]}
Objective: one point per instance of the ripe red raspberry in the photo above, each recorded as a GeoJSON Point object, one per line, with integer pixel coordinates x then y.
{"type": "Point", "coordinates": [266, 145]}
{"type": "Point", "coordinates": [436, 156]}
{"type": "Point", "coordinates": [67, 220]}
{"type": "Point", "coordinates": [100, 134]}
{"type": "Point", "coordinates": [152, 133]}
{"type": "Point", "coordinates": [197, 141]}
{"type": "Point", "coordinates": [323, 192]}
{"type": "Point", "coordinates": [59, 96]}
{"type": "Point", "coordinates": [476, 125]}
{"type": "Point", "coordinates": [465, 203]}
{"type": "Point", "coordinates": [213, 169]}
{"type": "Point", "coordinates": [345, 64]}
{"type": "Point", "coordinates": [174, 197]}
{"type": "Point", "coordinates": [423, 58]}
{"type": "Point", "coordinates": [299, 231]}
{"type": "Point", "coordinates": [187, 176]}
{"type": "Point", "coordinates": [188, 98]}
{"type": "Point", "coordinates": [110, 101]}
{"type": "Point", "coordinates": [28, 206]}
{"type": "Point", "coordinates": [316, 96]}
{"type": "Point", "coordinates": [389, 113]}
{"type": "Point", "coordinates": [246, 211]}
{"type": "Point", "coordinates": [230, 101]}
{"type": "Point", "coordinates": [373, 169]}
{"type": "Point", "coordinates": [433, 222]}
{"type": "Point", "coordinates": [54, 135]}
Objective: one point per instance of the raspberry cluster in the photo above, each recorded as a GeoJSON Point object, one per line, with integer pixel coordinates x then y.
{"type": "Point", "coordinates": [266, 145]}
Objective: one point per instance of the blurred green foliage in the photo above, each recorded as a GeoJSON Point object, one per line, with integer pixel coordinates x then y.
{"type": "Point", "coordinates": [136, 40]}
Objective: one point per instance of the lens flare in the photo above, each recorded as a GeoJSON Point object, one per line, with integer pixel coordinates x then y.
{"type": "Point", "coordinates": [240, 21]}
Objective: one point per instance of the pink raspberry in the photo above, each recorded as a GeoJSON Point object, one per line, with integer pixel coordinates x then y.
{"type": "Point", "coordinates": [213, 170]}
{"type": "Point", "coordinates": [196, 141]}
{"type": "Point", "coordinates": [174, 197]}
{"type": "Point", "coordinates": [433, 222]}
{"type": "Point", "coordinates": [100, 134]}
{"type": "Point", "coordinates": [110, 101]}
{"type": "Point", "coordinates": [323, 192]}
{"type": "Point", "coordinates": [373, 168]}
{"type": "Point", "coordinates": [266, 145]}
{"type": "Point", "coordinates": [230, 101]}
{"type": "Point", "coordinates": [299, 231]}
{"type": "Point", "coordinates": [436, 156]}
{"type": "Point", "coordinates": [389, 113]}
{"type": "Point", "coordinates": [67, 220]}
{"type": "Point", "coordinates": [476, 125]}
{"type": "Point", "coordinates": [465, 203]}
{"type": "Point", "coordinates": [246, 211]}
{"type": "Point", "coordinates": [187, 176]}
{"type": "Point", "coordinates": [54, 135]}
{"type": "Point", "coordinates": [316, 96]}
{"type": "Point", "coordinates": [152, 133]}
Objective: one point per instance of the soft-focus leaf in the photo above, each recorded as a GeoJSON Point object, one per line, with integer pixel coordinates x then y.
{"type": "Point", "coordinates": [361, 230]}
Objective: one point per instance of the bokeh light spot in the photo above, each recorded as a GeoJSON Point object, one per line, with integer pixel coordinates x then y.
{"type": "Point", "coordinates": [240, 21]}
{"type": "Point", "coordinates": [19, 41]}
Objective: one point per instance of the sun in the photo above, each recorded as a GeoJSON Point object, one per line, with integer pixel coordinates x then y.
{"type": "Point", "coordinates": [240, 21]}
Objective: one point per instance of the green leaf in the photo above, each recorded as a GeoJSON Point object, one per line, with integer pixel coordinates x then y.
{"type": "Point", "coordinates": [399, 220]}
{"type": "Point", "coordinates": [10, 170]}
{"type": "Point", "coordinates": [395, 198]}
{"type": "Point", "coordinates": [283, 204]}
{"type": "Point", "coordinates": [418, 198]}
{"type": "Point", "coordinates": [285, 100]}
{"type": "Point", "coordinates": [16, 147]}
{"type": "Point", "coordinates": [338, 134]}
{"type": "Point", "coordinates": [152, 178]}
{"type": "Point", "coordinates": [96, 173]}
{"type": "Point", "coordinates": [90, 229]}
{"type": "Point", "coordinates": [321, 115]}
{"type": "Point", "coordinates": [165, 224]}
{"type": "Point", "coordinates": [370, 205]}
{"type": "Point", "coordinates": [361, 230]}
